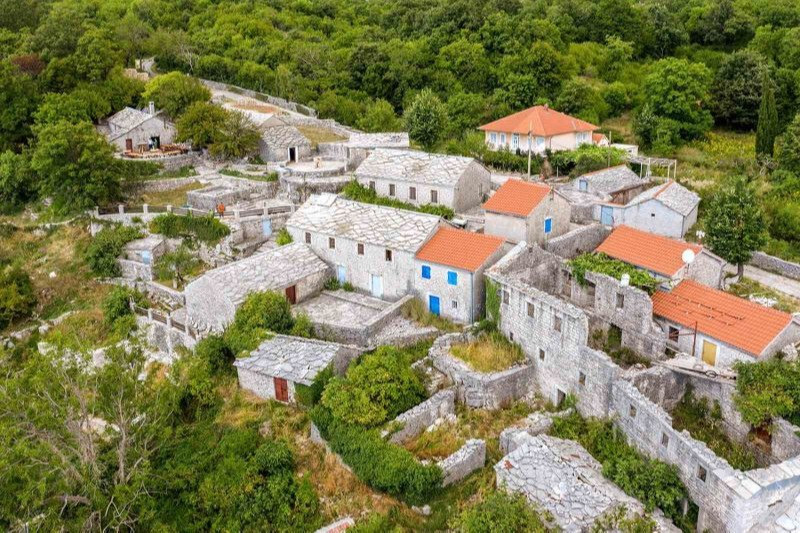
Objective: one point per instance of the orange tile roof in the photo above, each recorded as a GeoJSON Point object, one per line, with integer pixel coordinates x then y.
{"type": "Point", "coordinates": [597, 137]}
{"type": "Point", "coordinates": [459, 248]}
{"type": "Point", "coordinates": [656, 253]}
{"type": "Point", "coordinates": [727, 318]}
{"type": "Point", "coordinates": [541, 121]}
{"type": "Point", "coordinates": [517, 197]}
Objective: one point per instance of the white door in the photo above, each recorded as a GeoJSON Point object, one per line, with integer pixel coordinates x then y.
{"type": "Point", "coordinates": [377, 286]}
{"type": "Point", "coordinates": [341, 274]}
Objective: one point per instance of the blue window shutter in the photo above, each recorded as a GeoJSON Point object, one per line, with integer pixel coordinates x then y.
{"type": "Point", "coordinates": [426, 272]}
{"type": "Point", "coordinates": [452, 278]}
{"type": "Point", "coordinates": [548, 225]}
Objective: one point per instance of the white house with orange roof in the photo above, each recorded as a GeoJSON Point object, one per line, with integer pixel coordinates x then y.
{"type": "Point", "coordinates": [539, 128]}
{"type": "Point", "coordinates": [449, 272]}
{"type": "Point", "coordinates": [526, 211]}
{"type": "Point", "coordinates": [663, 257]}
{"type": "Point", "coordinates": [719, 328]}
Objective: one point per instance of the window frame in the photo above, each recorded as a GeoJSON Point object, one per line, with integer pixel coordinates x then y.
{"type": "Point", "coordinates": [412, 193]}
{"type": "Point", "coordinates": [548, 225]}
{"type": "Point", "coordinates": [360, 248]}
{"type": "Point", "coordinates": [392, 189]}
{"type": "Point", "coordinates": [426, 272]}
{"type": "Point", "coordinates": [331, 243]}
{"type": "Point", "coordinates": [452, 278]}
{"type": "Point", "coordinates": [307, 237]}
{"type": "Point", "coordinates": [434, 196]}
{"type": "Point", "coordinates": [388, 255]}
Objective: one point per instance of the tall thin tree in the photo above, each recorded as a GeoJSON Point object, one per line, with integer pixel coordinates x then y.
{"type": "Point", "coordinates": [767, 129]}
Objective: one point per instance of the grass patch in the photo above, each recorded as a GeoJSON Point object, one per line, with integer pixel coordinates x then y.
{"type": "Point", "coordinates": [357, 192]}
{"type": "Point", "coordinates": [707, 162]}
{"type": "Point", "coordinates": [490, 352]}
{"type": "Point", "coordinates": [603, 264]}
{"type": "Point", "coordinates": [610, 343]}
{"type": "Point", "coordinates": [746, 287]}
{"type": "Point", "coordinates": [436, 444]}
{"type": "Point", "coordinates": [206, 229]}
{"type": "Point", "coordinates": [319, 135]}
{"type": "Point", "coordinates": [415, 310]}
{"type": "Point", "coordinates": [186, 171]}
{"type": "Point", "coordinates": [257, 176]}
{"type": "Point", "coordinates": [693, 415]}
{"type": "Point", "coordinates": [174, 197]}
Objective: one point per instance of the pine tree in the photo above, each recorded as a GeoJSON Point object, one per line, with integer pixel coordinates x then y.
{"type": "Point", "coordinates": [767, 128]}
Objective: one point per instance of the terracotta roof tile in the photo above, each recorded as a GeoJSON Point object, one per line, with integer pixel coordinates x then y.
{"type": "Point", "coordinates": [460, 249]}
{"type": "Point", "coordinates": [517, 197]}
{"type": "Point", "coordinates": [735, 321]}
{"type": "Point", "coordinates": [541, 120]}
{"type": "Point", "coordinates": [656, 253]}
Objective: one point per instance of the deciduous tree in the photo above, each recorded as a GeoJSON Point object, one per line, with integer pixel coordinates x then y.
{"type": "Point", "coordinates": [425, 118]}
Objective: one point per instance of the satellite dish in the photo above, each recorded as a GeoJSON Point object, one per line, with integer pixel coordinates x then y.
{"type": "Point", "coordinates": [688, 256]}
{"type": "Point", "coordinates": [625, 280]}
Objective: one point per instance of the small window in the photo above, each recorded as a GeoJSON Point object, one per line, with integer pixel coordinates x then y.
{"type": "Point", "coordinates": [412, 193]}
{"type": "Point", "coordinates": [557, 323]}
{"type": "Point", "coordinates": [391, 189]}
{"type": "Point", "coordinates": [360, 248]}
{"type": "Point", "coordinates": [434, 197]}
{"type": "Point", "coordinates": [426, 272]}
{"type": "Point", "coordinates": [664, 440]}
{"type": "Point", "coordinates": [531, 310]}
{"type": "Point", "coordinates": [701, 473]}
{"type": "Point", "coordinates": [632, 411]}
{"type": "Point", "coordinates": [652, 215]}
{"type": "Point", "coordinates": [505, 297]}
{"type": "Point", "coordinates": [331, 243]}
{"type": "Point", "coordinates": [541, 354]}
{"type": "Point", "coordinates": [454, 304]}
{"type": "Point", "coordinates": [511, 336]}
{"type": "Point", "coordinates": [308, 238]}
{"type": "Point", "coordinates": [674, 334]}
{"type": "Point", "coordinates": [503, 138]}
{"type": "Point", "coordinates": [581, 379]}
{"type": "Point", "coordinates": [452, 277]}
{"type": "Point", "coordinates": [493, 138]}
{"type": "Point", "coordinates": [548, 225]}
{"type": "Point", "coordinates": [372, 185]}
{"type": "Point", "coordinates": [583, 185]}
{"type": "Point", "coordinates": [620, 300]}
{"type": "Point", "coordinates": [388, 255]}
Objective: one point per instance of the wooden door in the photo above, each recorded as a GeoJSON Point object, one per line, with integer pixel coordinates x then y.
{"type": "Point", "coordinates": [281, 389]}
{"type": "Point", "coordinates": [291, 294]}
{"type": "Point", "coordinates": [709, 353]}
{"type": "Point", "coordinates": [129, 145]}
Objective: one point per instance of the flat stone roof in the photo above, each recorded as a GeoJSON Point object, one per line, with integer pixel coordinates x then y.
{"type": "Point", "coordinates": [397, 229]}
{"type": "Point", "coordinates": [414, 166]}
{"type": "Point", "coordinates": [147, 243]}
{"type": "Point", "coordinates": [612, 179]}
{"type": "Point", "coordinates": [295, 359]}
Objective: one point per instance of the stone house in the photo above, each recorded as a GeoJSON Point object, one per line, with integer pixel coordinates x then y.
{"type": "Point", "coordinates": [282, 142]}
{"type": "Point", "coordinates": [359, 145]}
{"type": "Point", "coordinates": [274, 369]}
{"type": "Point", "coordinates": [139, 256]}
{"type": "Point", "coordinates": [538, 128]}
{"type": "Point", "coordinates": [369, 246]}
{"type": "Point", "coordinates": [139, 130]}
{"type": "Point", "coordinates": [718, 328]}
{"type": "Point", "coordinates": [618, 184]}
{"type": "Point", "coordinates": [418, 178]}
{"type": "Point", "coordinates": [449, 272]}
{"type": "Point", "coordinates": [669, 209]}
{"type": "Point", "coordinates": [663, 257]}
{"type": "Point", "coordinates": [524, 211]}
{"type": "Point", "coordinates": [293, 269]}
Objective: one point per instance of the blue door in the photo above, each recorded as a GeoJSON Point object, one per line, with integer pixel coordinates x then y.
{"type": "Point", "coordinates": [433, 304]}
{"type": "Point", "coordinates": [266, 227]}
{"type": "Point", "coordinates": [606, 216]}
{"type": "Point", "coordinates": [341, 274]}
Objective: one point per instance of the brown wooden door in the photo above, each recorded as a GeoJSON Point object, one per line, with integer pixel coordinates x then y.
{"type": "Point", "coordinates": [291, 294]}
{"type": "Point", "coordinates": [129, 145]}
{"type": "Point", "coordinates": [281, 389]}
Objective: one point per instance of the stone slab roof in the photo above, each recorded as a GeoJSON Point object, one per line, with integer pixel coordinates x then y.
{"type": "Point", "coordinates": [147, 243]}
{"type": "Point", "coordinates": [392, 228]}
{"type": "Point", "coordinates": [270, 270]}
{"type": "Point", "coordinates": [415, 167]}
{"type": "Point", "coordinates": [284, 135]}
{"type": "Point", "coordinates": [295, 359]}
{"type": "Point", "coordinates": [671, 194]}
{"type": "Point", "coordinates": [612, 179]}
{"type": "Point", "coordinates": [378, 140]}
{"type": "Point", "coordinates": [124, 121]}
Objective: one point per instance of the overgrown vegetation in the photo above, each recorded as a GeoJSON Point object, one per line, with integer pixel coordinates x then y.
{"type": "Point", "coordinates": [333, 284]}
{"type": "Point", "coordinates": [749, 288]}
{"type": "Point", "coordinates": [102, 253]}
{"type": "Point", "coordinates": [603, 264]}
{"type": "Point", "coordinates": [206, 229]}
{"type": "Point", "coordinates": [117, 303]}
{"type": "Point", "coordinates": [489, 352]}
{"type": "Point", "coordinates": [766, 390]}
{"type": "Point", "coordinates": [17, 299]}
{"type": "Point", "coordinates": [283, 238]}
{"type": "Point", "coordinates": [705, 424]}
{"type": "Point", "coordinates": [415, 310]}
{"type": "Point", "coordinates": [499, 511]}
{"type": "Point", "coordinates": [654, 483]}
{"type": "Point", "coordinates": [260, 315]}
{"type": "Point", "coordinates": [359, 193]}
{"type": "Point", "coordinates": [611, 343]}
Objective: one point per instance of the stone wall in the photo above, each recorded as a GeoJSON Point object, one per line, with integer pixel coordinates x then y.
{"type": "Point", "coordinates": [577, 241]}
{"type": "Point", "coordinates": [161, 185]}
{"type": "Point", "coordinates": [273, 100]}
{"type": "Point", "coordinates": [327, 124]}
{"type": "Point", "coordinates": [475, 389]}
{"type": "Point", "coordinates": [785, 440]}
{"type": "Point", "coordinates": [164, 338]}
{"type": "Point", "coordinates": [135, 270]}
{"type": "Point", "coordinates": [775, 264]}
{"type": "Point", "coordinates": [358, 334]}
{"type": "Point", "coordinates": [420, 417]}
{"type": "Point", "coordinates": [469, 458]}
{"type": "Point", "coordinates": [172, 297]}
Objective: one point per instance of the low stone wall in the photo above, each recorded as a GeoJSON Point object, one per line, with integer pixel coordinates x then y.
{"type": "Point", "coordinates": [775, 264]}
{"type": "Point", "coordinates": [469, 458]}
{"type": "Point", "coordinates": [420, 417]}
{"type": "Point", "coordinates": [581, 213]}
{"type": "Point", "coordinates": [273, 100]}
{"type": "Point", "coordinates": [785, 440]}
{"type": "Point", "coordinates": [164, 338]}
{"type": "Point", "coordinates": [475, 389]}
{"type": "Point", "coordinates": [135, 270]}
{"type": "Point", "coordinates": [172, 297]}
{"type": "Point", "coordinates": [337, 527]}
{"type": "Point", "coordinates": [577, 241]}
{"type": "Point", "coordinates": [161, 185]}
{"type": "Point", "coordinates": [327, 123]}
{"type": "Point", "coordinates": [363, 334]}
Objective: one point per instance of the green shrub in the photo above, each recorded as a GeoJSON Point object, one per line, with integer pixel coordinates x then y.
{"type": "Point", "coordinates": [206, 229]}
{"type": "Point", "coordinates": [603, 264]}
{"type": "Point", "coordinates": [768, 389]}
{"type": "Point", "coordinates": [214, 350]}
{"type": "Point", "coordinates": [377, 389]}
{"type": "Point", "coordinates": [302, 326]}
{"type": "Point", "coordinates": [17, 298]}
{"type": "Point", "coordinates": [310, 395]}
{"type": "Point", "coordinates": [117, 304]}
{"type": "Point", "coordinates": [499, 511]}
{"type": "Point", "coordinates": [260, 314]}
{"type": "Point", "coordinates": [785, 223]}
{"type": "Point", "coordinates": [379, 464]}
{"type": "Point", "coordinates": [586, 158]}
{"type": "Point", "coordinates": [359, 193]}
{"type": "Point", "coordinates": [102, 253]}
{"type": "Point", "coordinates": [283, 238]}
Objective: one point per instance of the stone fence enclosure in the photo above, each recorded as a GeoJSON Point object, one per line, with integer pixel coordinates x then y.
{"type": "Point", "coordinates": [422, 416]}
{"type": "Point", "coordinates": [775, 264]}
